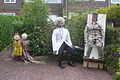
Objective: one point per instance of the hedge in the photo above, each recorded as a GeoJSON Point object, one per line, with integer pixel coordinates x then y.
{"type": "Point", "coordinates": [6, 30]}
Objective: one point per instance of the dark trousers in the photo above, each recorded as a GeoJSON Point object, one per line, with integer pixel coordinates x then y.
{"type": "Point", "coordinates": [71, 52]}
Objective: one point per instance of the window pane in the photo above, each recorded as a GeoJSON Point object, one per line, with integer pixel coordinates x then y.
{"type": "Point", "coordinates": [7, 0]}
{"type": "Point", "coordinates": [7, 14]}
{"type": "Point", "coordinates": [28, 0]}
{"type": "Point", "coordinates": [85, 0]}
{"type": "Point", "coordinates": [12, 0]}
{"type": "Point", "coordinates": [53, 17]}
{"type": "Point", "coordinates": [115, 1]}
{"type": "Point", "coordinates": [53, 1]}
{"type": "Point", "coordinates": [99, 0]}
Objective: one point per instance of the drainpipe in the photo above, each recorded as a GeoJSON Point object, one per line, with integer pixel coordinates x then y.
{"type": "Point", "coordinates": [109, 2]}
{"type": "Point", "coordinates": [66, 8]}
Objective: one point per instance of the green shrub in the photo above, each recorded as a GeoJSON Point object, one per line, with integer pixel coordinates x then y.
{"type": "Point", "coordinates": [76, 27]}
{"type": "Point", "coordinates": [112, 14]}
{"type": "Point", "coordinates": [41, 41]}
{"type": "Point", "coordinates": [35, 14]}
{"type": "Point", "coordinates": [21, 26]}
{"type": "Point", "coordinates": [111, 54]}
{"type": "Point", "coordinates": [6, 30]}
{"type": "Point", "coordinates": [101, 11]}
{"type": "Point", "coordinates": [112, 35]}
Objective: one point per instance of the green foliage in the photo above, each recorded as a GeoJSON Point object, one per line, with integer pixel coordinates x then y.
{"type": "Point", "coordinates": [36, 16]}
{"type": "Point", "coordinates": [76, 27]}
{"type": "Point", "coordinates": [112, 14]}
{"type": "Point", "coordinates": [101, 11]}
{"type": "Point", "coordinates": [111, 56]}
{"type": "Point", "coordinates": [35, 12]}
{"type": "Point", "coordinates": [60, 11]}
{"type": "Point", "coordinates": [112, 43]}
{"type": "Point", "coordinates": [112, 35]}
{"type": "Point", "coordinates": [20, 26]}
{"type": "Point", "coordinates": [41, 41]}
{"type": "Point", "coordinates": [6, 30]}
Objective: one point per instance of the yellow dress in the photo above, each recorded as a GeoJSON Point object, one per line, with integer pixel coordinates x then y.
{"type": "Point", "coordinates": [17, 48]}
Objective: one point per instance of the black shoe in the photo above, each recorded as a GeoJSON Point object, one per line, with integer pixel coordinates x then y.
{"type": "Point", "coordinates": [71, 64]}
{"type": "Point", "coordinates": [61, 66]}
{"type": "Point", "coordinates": [100, 58]}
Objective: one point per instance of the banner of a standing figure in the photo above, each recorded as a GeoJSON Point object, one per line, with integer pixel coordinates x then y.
{"type": "Point", "coordinates": [102, 21]}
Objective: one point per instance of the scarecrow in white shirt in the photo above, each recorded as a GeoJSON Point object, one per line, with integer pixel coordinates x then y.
{"type": "Point", "coordinates": [61, 41]}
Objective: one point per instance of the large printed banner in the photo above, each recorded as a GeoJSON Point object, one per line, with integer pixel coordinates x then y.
{"type": "Point", "coordinates": [102, 22]}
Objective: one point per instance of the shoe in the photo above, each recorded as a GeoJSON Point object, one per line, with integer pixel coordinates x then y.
{"type": "Point", "coordinates": [71, 64]}
{"type": "Point", "coordinates": [61, 66]}
{"type": "Point", "coordinates": [100, 58]}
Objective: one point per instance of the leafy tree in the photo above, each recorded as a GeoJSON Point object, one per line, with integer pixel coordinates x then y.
{"type": "Point", "coordinates": [36, 14]}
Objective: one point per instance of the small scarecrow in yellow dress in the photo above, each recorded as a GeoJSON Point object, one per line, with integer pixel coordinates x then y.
{"type": "Point", "coordinates": [17, 51]}
{"type": "Point", "coordinates": [17, 48]}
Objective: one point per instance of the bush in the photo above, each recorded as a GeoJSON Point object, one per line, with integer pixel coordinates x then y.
{"type": "Point", "coordinates": [112, 35]}
{"type": "Point", "coordinates": [112, 14]}
{"type": "Point", "coordinates": [111, 54]}
{"type": "Point", "coordinates": [111, 57]}
{"type": "Point", "coordinates": [41, 41]}
{"type": "Point", "coordinates": [20, 25]}
{"type": "Point", "coordinates": [6, 30]}
{"type": "Point", "coordinates": [76, 27]}
{"type": "Point", "coordinates": [36, 14]}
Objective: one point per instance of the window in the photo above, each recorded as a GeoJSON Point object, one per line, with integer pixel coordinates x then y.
{"type": "Point", "coordinates": [9, 1]}
{"type": "Point", "coordinates": [53, 1]}
{"type": "Point", "coordinates": [78, 0]}
{"type": "Point", "coordinates": [52, 17]}
{"type": "Point", "coordinates": [85, 0]}
{"type": "Point", "coordinates": [115, 1]}
{"type": "Point", "coordinates": [7, 14]}
{"type": "Point", "coordinates": [28, 0]}
{"type": "Point", "coordinates": [99, 0]}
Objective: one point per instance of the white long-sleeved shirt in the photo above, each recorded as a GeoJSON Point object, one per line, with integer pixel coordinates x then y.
{"type": "Point", "coordinates": [59, 36]}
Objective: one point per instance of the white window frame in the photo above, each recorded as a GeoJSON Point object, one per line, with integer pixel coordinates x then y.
{"type": "Point", "coordinates": [7, 14]}
{"type": "Point", "coordinates": [100, 0]}
{"type": "Point", "coordinates": [52, 17]}
{"type": "Point", "coordinates": [28, 1]}
{"type": "Point", "coordinates": [56, 2]}
{"type": "Point", "coordinates": [117, 2]}
{"type": "Point", "coordinates": [10, 1]}
{"type": "Point", "coordinates": [86, 0]}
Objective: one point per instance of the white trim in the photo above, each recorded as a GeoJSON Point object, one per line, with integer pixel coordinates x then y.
{"type": "Point", "coordinates": [9, 1]}
{"type": "Point", "coordinates": [100, 0]}
{"type": "Point", "coordinates": [54, 1]}
{"type": "Point", "coordinates": [7, 14]}
{"type": "Point", "coordinates": [28, 0]}
{"type": "Point", "coordinates": [115, 1]}
{"type": "Point", "coordinates": [86, 0]}
{"type": "Point", "coordinates": [52, 17]}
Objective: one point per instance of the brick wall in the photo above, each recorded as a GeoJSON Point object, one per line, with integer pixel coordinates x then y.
{"type": "Point", "coordinates": [54, 8]}
{"type": "Point", "coordinates": [85, 5]}
{"type": "Point", "coordinates": [11, 7]}
{"type": "Point", "coordinates": [16, 5]}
